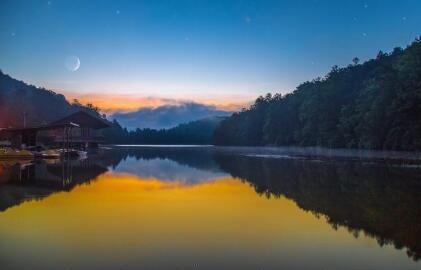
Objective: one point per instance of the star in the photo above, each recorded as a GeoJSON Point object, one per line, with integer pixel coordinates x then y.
{"type": "Point", "coordinates": [49, 3]}
{"type": "Point", "coordinates": [13, 34]}
{"type": "Point", "coordinates": [365, 5]}
{"type": "Point", "coordinates": [403, 18]}
{"type": "Point", "coordinates": [364, 34]}
{"type": "Point", "coordinates": [186, 38]}
{"type": "Point", "coordinates": [247, 19]}
{"type": "Point", "coordinates": [117, 12]}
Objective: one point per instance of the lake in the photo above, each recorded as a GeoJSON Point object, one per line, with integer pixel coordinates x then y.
{"type": "Point", "coordinates": [212, 208]}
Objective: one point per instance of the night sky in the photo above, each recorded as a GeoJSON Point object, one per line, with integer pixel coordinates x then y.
{"type": "Point", "coordinates": [140, 53]}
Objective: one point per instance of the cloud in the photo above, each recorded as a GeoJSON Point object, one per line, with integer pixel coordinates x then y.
{"type": "Point", "coordinates": [167, 116]}
{"type": "Point", "coordinates": [119, 103]}
{"type": "Point", "coordinates": [110, 103]}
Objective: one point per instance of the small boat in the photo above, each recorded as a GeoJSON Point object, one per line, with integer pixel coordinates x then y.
{"type": "Point", "coordinates": [9, 153]}
{"type": "Point", "coordinates": [52, 153]}
{"type": "Point", "coordinates": [73, 153]}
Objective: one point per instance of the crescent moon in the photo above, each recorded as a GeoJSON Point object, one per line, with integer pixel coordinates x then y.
{"type": "Point", "coordinates": [77, 66]}
{"type": "Point", "coordinates": [72, 63]}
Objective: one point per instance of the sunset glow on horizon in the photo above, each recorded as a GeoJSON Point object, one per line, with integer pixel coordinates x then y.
{"type": "Point", "coordinates": [111, 103]}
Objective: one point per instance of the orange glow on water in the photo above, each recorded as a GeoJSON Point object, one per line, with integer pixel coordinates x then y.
{"type": "Point", "coordinates": [124, 218]}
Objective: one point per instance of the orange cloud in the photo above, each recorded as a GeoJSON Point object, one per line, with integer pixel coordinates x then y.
{"type": "Point", "coordinates": [110, 103]}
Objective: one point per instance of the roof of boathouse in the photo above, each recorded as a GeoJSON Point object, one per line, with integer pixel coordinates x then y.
{"type": "Point", "coordinates": [84, 120]}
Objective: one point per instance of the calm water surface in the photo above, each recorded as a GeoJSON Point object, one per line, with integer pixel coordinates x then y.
{"type": "Point", "coordinates": [209, 208]}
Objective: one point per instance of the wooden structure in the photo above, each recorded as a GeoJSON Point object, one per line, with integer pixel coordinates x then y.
{"type": "Point", "coordinates": [87, 134]}
{"type": "Point", "coordinates": [19, 137]}
{"type": "Point", "coordinates": [79, 130]}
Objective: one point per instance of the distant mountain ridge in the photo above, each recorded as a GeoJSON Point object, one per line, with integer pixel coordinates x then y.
{"type": "Point", "coordinates": [167, 116]}
{"type": "Point", "coordinates": [194, 132]}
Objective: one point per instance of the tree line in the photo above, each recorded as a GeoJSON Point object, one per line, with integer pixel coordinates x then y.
{"type": "Point", "coordinates": [373, 105]}
{"type": "Point", "coordinates": [195, 132]}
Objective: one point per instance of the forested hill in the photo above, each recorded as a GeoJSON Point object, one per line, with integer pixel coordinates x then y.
{"type": "Point", "coordinates": [194, 132]}
{"type": "Point", "coordinates": [40, 105]}
{"type": "Point", "coordinates": [374, 105]}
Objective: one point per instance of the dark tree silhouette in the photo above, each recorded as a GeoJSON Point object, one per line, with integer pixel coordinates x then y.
{"type": "Point", "coordinates": [374, 105]}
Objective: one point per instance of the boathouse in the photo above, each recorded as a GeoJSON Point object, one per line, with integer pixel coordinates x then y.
{"type": "Point", "coordinates": [78, 130]}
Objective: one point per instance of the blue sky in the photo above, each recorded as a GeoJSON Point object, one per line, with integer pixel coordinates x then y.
{"type": "Point", "coordinates": [201, 50]}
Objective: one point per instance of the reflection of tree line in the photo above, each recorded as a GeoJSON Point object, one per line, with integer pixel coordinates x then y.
{"type": "Point", "coordinates": [195, 157]}
{"type": "Point", "coordinates": [384, 203]}
{"type": "Point", "coordinates": [23, 181]}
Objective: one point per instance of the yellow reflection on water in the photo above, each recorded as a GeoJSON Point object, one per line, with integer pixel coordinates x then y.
{"type": "Point", "coordinates": [121, 220]}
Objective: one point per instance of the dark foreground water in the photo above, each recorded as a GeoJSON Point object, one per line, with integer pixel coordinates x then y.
{"type": "Point", "coordinates": [211, 208]}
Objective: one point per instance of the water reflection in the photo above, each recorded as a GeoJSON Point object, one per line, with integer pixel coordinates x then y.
{"type": "Point", "coordinates": [185, 208]}
{"type": "Point", "coordinates": [382, 201]}
{"type": "Point", "coordinates": [24, 180]}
